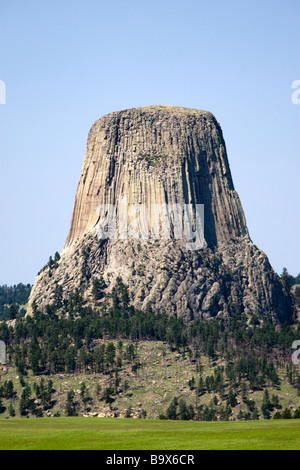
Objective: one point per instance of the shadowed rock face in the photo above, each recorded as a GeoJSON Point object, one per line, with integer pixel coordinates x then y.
{"type": "Point", "coordinates": [175, 156]}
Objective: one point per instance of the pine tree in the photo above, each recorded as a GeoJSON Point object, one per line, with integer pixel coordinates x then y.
{"type": "Point", "coordinates": [201, 387]}
{"type": "Point", "coordinates": [11, 410]}
{"type": "Point", "coordinates": [13, 312]}
{"type": "Point", "coordinates": [172, 410]}
{"type": "Point", "coordinates": [231, 398]}
{"type": "Point", "coordinates": [70, 405]}
{"type": "Point", "coordinates": [287, 279]}
{"type": "Point", "coordinates": [25, 401]}
{"type": "Point", "coordinates": [286, 414]}
{"type": "Point", "coordinates": [2, 408]}
{"type": "Point", "coordinates": [98, 287]}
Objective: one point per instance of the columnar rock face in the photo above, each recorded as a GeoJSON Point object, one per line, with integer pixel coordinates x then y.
{"type": "Point", "coordinates": [171, 157]}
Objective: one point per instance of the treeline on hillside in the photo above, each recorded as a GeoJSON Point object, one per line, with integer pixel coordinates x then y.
{"type": "Point", "coordinates": [222, 411]}
{"type": "Point", "coordinates": [288, 279]}
{"type": "Point", "coordinates": [11, 298]}
{"type": "Point", "coordinates": [72, 338]}
{"type": "Point", "coordinates": [231, 385]}
{"type": "Point", "coordinates": [69, 341]}
{"type": "Point", "coordinates": [39, 398]}
{"type": "Point", "coordinates": [292, 284]}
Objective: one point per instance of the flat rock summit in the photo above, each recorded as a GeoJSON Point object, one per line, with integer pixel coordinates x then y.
{"type": "Point", "coordinates": [139, 162]}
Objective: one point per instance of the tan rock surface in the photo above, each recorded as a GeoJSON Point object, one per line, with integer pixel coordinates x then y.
{"type": "Point", "coordinates": [164, 155]}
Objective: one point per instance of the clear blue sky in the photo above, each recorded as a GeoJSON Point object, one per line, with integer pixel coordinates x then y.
{"type": "Point", "coordinates": [67, 63]}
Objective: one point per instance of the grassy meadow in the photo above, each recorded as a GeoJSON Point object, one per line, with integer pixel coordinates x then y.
{"type": "Point", "coordinates": [131, 434]}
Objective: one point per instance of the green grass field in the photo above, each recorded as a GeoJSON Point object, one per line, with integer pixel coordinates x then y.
{"type": "Point", "coordinates": [131, 434]}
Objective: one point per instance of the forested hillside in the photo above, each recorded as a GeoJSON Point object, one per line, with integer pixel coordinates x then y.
{"type": "Point", "coordinates": [240, 368]}
{"type": "Point", "coordinates": [12, 300]}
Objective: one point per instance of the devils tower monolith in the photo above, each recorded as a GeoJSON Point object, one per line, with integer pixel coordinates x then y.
{"type": "Point", "coordinates": [151, 158]}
